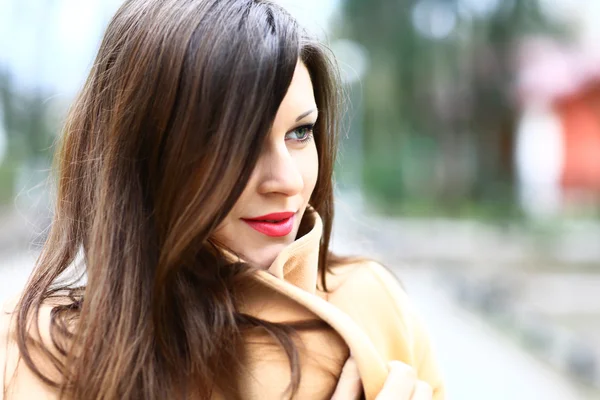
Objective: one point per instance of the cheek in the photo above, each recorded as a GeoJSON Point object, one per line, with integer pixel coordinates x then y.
{"type": "Point", "coordinates": [222, 234]}
{"type": "Point", "coordinates": [309, 165]}
{"type": "Point", "coordinates": [226, 231]}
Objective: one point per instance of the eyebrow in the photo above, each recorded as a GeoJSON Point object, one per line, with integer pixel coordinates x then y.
{"type": "Point", "coordinates": [304, 114]}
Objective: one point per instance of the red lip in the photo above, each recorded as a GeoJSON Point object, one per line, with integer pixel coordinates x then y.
{"type": "Point", "coordinates": [283, 226]}
{"type": "Point", "coordinates": [274, 216]}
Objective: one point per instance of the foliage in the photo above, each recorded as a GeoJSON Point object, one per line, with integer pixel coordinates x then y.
{"type": "Point", "coordinates": [30, 133]}
{"type": "Point", "coordinates": [438, 112]}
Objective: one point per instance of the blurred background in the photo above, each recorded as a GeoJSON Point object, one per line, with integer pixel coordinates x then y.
{"type": "Point", "coordinates": [470, 165]}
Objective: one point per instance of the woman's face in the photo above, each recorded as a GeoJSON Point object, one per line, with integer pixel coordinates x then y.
{"type": "Point", "coordinates": [282, 182]}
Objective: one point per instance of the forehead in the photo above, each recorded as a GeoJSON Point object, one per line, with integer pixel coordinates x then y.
{"type": "Point", "coordinates": [299, 97]}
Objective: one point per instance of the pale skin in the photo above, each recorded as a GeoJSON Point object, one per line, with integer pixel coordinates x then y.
{"type": "Point", "coordinates": [283, 180]}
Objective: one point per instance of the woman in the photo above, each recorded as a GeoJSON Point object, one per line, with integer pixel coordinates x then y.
{"type": "Point", "coordinates": [195, 179]}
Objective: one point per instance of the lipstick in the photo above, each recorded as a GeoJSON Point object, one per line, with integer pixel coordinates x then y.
{"type": "Point", "coordinates": [274, 225]}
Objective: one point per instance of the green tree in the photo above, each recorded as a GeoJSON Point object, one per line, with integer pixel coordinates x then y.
{"type": "Point", "coordinates": [438, 119]}
{"type": "Point", "coordinates": [30, 133]}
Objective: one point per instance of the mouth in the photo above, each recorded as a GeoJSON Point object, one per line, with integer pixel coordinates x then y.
{"type": "Point", "coordinates": [273, 225]}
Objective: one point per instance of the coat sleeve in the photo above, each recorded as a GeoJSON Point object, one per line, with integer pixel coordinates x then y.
{"type": "Point", "coordinates": [422, 353]}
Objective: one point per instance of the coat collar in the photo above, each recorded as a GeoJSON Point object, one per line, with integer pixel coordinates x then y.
{"type": "Point", "coordinates": [298, 263]}
{"type": "Point", "coordinates": [293, 274]}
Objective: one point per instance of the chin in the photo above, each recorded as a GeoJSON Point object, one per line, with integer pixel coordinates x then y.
{"type": "Point", "coordinates": [265, 258]}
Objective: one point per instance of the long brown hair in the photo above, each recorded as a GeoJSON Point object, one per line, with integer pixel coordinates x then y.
{"type": "Point", "coordinates": [156, 150]}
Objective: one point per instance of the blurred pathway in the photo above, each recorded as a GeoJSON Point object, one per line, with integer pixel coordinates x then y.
{"type": "Point", "coordinates": [477, 361]}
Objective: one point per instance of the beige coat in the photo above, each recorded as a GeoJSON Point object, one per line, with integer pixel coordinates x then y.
{"type": "Point", "coordinates": [370, 314]}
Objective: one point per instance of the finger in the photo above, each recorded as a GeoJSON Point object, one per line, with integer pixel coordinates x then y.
{"type": "Point", "coordinates": [349, 385]}
{"type": "Point", "coordinates": [423, 391]}
{"type": "Point", "coordinates": [400, 382]}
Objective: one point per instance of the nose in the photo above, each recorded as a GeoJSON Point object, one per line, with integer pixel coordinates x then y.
{"type": "Point", "coordinates": [279, 172]}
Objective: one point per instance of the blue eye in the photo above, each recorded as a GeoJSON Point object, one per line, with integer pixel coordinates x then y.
{"type": "Point", "coordinates": [301, 134]}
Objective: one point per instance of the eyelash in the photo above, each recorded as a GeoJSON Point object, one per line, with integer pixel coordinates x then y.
{"type": "Point", "coordinates": [309, 136]}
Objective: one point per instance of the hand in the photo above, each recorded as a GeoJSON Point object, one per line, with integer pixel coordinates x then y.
{"type": "Point", "coordinates": [401, 384]}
